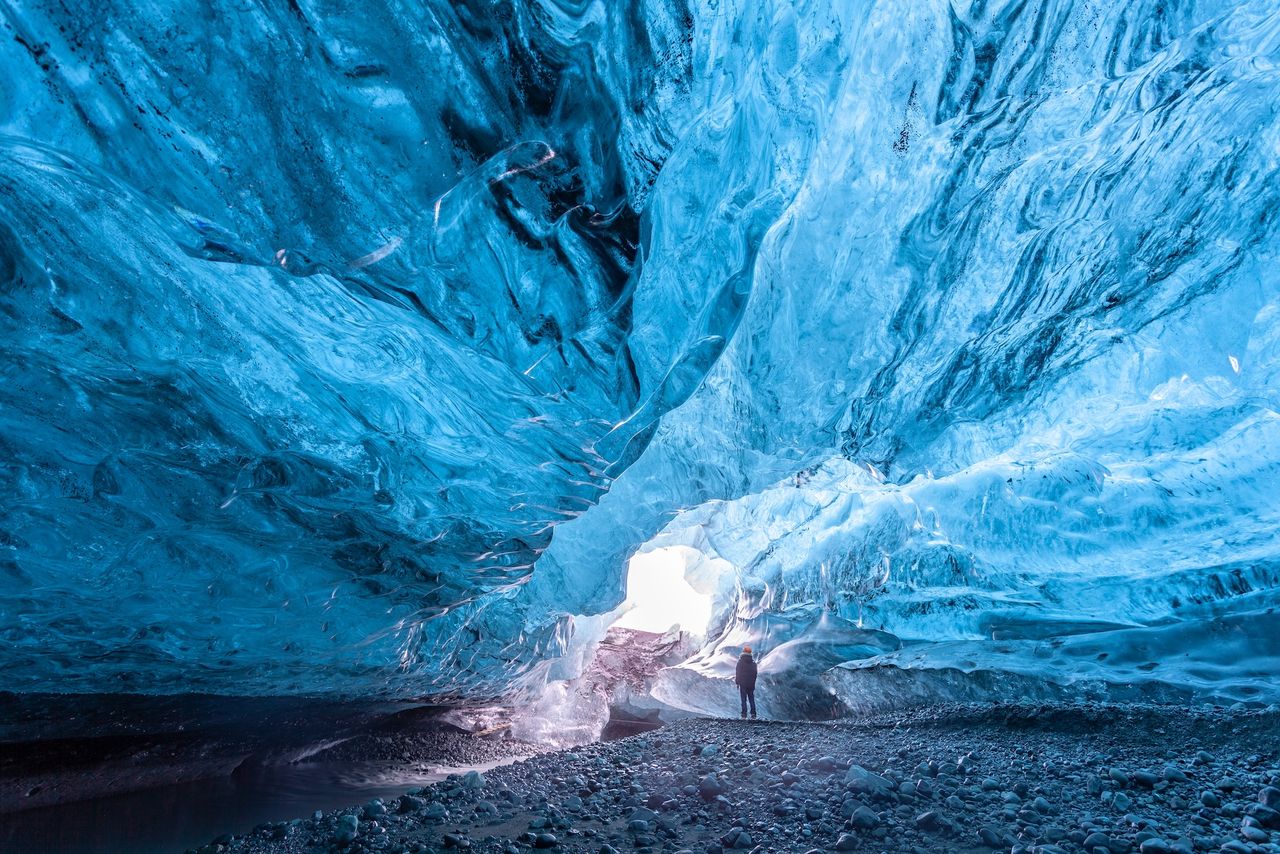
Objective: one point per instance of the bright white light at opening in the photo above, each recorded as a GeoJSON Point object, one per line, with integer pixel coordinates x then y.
{"type": "Point", "coordinates": [660, 597]}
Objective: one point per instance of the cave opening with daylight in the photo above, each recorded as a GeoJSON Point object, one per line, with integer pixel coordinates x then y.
{"type": "Point", "coordinates": [660, 597]}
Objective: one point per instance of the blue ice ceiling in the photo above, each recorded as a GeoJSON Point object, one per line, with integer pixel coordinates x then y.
{"type": "Point", "coordinates": [354, 349]}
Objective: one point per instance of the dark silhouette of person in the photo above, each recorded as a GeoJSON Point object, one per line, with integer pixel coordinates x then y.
{"type": "Point", "coordinates": [746, 679]}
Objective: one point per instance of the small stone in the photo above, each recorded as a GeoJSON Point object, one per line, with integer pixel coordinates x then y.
{"type": "Point", "coordinates": [1210, 799]}
{"type": "Point", "coordinates": [929, 821]}
{"type": "Point", "coordinates": [545, 840]}
{"type": "Point", "coordinates": [859, 779]}
{"type": "Point", "coordinates": [1119, 776]}
{"type": "Point", "coordinates": [473, 780]}
{"type": "Point", "coordinates": [348, 827]}
{"type": "Point", "coordinates": [709, 787]}
{"type": "Point", "coordinates": [864, 818]}
{"type": "Point", "coordinates": [1145, 778]}
{"type": "Point", "coordinates": [827, 763]}
{"type": "Point", "coordinates": [1264, 815]}
{"type": "Point", "coordinates": [1155, 845]}
{"type": "Point", "coordinates": [847, 842]}
{"type": "Point", "coordinates": [1121, 801]}
{"type": "Point", "coordinates": [411, 803]}
{"type": "Point", "coordinates": [1174, 774]}
{"type": "Point", "coordinates": [1269, 796]}
{"type": "Point", "coordinates": [1097, 840]}
{"type": "Point", "coordinates": [1254, 834]}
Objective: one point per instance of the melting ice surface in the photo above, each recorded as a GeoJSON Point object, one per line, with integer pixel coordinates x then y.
{"type": "Point", "coordinates": [357, 351]}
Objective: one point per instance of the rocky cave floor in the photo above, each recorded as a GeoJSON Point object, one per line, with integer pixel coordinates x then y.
{"type": "Point", "coordinates": [1016, 778]}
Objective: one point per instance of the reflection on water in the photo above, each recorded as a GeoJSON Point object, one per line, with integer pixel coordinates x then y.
{"type": "Point", "coordinates": [180, 816]}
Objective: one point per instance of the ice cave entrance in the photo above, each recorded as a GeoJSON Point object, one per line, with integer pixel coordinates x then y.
{"type": "Point", "coordinates": [659, 597]}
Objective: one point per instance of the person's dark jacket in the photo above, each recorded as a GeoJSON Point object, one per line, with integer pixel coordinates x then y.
{"type": "Point", "coordinates": [746, 675]}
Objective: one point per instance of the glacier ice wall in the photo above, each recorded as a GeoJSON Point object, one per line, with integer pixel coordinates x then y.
{"type": "Point", "coordinates": [317, 320]}
{"type": "Point", "coordinates": [354, 350]}
{"type": "Point", "coordinates": [1024, 287]}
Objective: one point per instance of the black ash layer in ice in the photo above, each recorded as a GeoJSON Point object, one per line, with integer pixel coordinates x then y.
{"type": "Point", "coordinates": [1048, 779]}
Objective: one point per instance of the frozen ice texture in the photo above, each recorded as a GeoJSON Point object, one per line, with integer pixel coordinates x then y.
{"type": "Point", "coordinates": [317, 320]}
{"type": "Point", "coordinates": [1006, 384]}
{"type": "Point", "coordinates": [355, 351]}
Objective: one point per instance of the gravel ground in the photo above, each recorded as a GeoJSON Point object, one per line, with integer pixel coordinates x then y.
{"type": "Point", "coordinates": [442, 744]}
{"type": "Point", "coordinates": [1100, 779]}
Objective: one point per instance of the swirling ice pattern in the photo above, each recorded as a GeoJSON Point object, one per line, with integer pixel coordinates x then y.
{"type": "Point", "coordinates": [326, 328]}
{"type": "Point", "coordinates": [1026, 288]}
{"type": "Point", "coordinates": [316, 322]}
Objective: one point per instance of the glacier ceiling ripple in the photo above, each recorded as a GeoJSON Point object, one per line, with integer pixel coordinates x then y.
{"type": "Point", "coordinates": [354, 351]}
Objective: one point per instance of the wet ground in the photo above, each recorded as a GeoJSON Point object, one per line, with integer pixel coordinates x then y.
{"type": "Point", "coordinates": [179, 816]}
{"type": "Point", "coordinates": [136, 775]}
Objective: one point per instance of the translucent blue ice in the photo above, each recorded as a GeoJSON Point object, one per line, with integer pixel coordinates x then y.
{"type": "Point", "coordinates": [355, 350]}
{"type": "Point", "coordinates": [317, 319]}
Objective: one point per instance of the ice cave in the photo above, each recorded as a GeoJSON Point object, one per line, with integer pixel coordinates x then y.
{"type": "Point", "coordinates": [463, 385]}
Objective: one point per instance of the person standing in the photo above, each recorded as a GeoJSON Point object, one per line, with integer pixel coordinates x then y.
{"type": "Point", "coordinates": [745, 677]}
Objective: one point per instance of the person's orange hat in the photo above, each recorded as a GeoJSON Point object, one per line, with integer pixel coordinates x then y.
{"type": "Point", "coordinates": [746, 649]}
